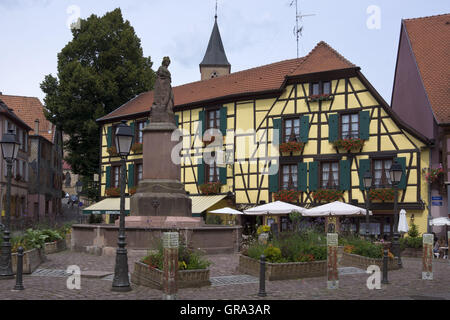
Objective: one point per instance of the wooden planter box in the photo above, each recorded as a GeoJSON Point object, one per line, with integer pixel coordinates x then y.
{"type": "Point", "coordinates": [32, 259]}
{"type": "Point", "coordinates": [54, 247]}
{"type": "Point", "coordinates": [153, 278]}
{"type": "Point", "coordinates": [283, 271]}
{"type": "Point", "coordinates": [353, 260]}
{"type": "Point", "coordinates": [412, 252]}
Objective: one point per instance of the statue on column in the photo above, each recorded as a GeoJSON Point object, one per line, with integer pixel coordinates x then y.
{"type": "Point", "coordinates": [163, 100]}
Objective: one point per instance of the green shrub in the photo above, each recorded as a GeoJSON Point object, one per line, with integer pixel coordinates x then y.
{"type": "Point", "coordinates": [213, 219]}
{"type": "Point", "coordinates": [365, 248]}
{"type": "Point", "coordinates": [273, 254]}
{"type": "Point", "coordinates": [52, 235]}
{"type": "Point", "coordinates": [187, 259]}
{"type": "Point", "coordinates": [414, 231]}
{"type": "Point", "coordinates": [411, 242]}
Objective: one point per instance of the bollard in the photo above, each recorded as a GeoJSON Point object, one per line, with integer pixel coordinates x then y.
{"type": "Point", "coordinates": [427, 257]}
{"type": "Point", "coordinates": [262, 277]}
{"type": "Point", "coordinates": [385, 266]}
{"type": "Point", "coordinates": [332, 261]}
{"type": "Point", "coordinates": [19, 273]}
{"type": "Point", "coordinates": [170, 244]}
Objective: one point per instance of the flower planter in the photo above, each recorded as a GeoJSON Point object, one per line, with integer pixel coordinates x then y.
{"type": "Point", "coordinates": [32, 259]}
{"type": "Point", "coordinates": [320, 97]}
{"type": "Point", "coordinates": [353, 260]}
{"type": "Point", "coordinates": [289, 196]}
{"type": "Point", "coordinates": [54, 247]}
{"type": "Point", "coordinates": [292, 147]}
{"type": "Point", "coordinates": [210, 188]}
{"type": "Point", "coordinates": [327, 195]}
{"type": "Point", "coordinates": [349, 144]}
{"type": "Point", "coordinates": [283, 271]}
{"type": "Point", "coordinates": [145, 276]}
{"type": "Point", "coordinates": [383, 195]}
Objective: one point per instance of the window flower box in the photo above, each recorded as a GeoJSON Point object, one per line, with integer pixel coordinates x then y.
{"type": "Point", "coordinates": [433, 175]}
{"type": "Point", "coordinates": [320, 97]}
{"type": "Point", "coordinates": [328, 195]}
{"type": "Point", "coordinates": [113, 192]}
{"type": "Point", "coordinates": [210, 188]}
{"type": "Point", "coordinates": [132, 191]}
{"type": "Point", "coordinates": [352, 144]}
{"type": "Point", "coordinates": [292, 146]}
{"type": "Point", "coordinates": [289, 196]}
{"type": "Point", "coordinates": [112, 151]}
{"type": "Point", "coordinates": [137, 147]}
{"type": "Point", "coordinates": [385, 195]}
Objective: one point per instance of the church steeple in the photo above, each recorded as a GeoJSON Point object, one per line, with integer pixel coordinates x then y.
{"type": "Point", "coordinates": [215, 62]}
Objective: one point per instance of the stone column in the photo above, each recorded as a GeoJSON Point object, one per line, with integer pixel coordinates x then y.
{"type": "Point", "coordinates": [170, 244]}
{"type": "Point", "coordinates": [332, 261]}
{"type": "Point", "coordinates": [427, 259]}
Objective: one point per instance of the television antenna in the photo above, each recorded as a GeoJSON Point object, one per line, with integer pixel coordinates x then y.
{"type": "Point", "coordinates": [298, 29]}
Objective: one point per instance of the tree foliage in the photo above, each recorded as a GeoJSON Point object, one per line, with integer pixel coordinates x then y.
{"type": "Point", "coordinates": [102, 68]}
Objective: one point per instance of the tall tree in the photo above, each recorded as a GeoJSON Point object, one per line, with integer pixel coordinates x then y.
{"type": "Point", "coordinates": [102, 68]}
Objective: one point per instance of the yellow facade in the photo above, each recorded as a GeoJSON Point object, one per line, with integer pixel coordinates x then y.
{"type": "Point", "coordinates": [250, 140]}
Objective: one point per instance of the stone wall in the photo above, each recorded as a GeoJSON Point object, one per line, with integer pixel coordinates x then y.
{"type": "Point", "coordinates": [102, 239]}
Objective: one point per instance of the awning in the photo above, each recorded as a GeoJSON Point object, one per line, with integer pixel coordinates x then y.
{"type": "Point", "coordinates": [203, 203]}
{"type": "Point", "coordinates": [277, 207]}
{"type": "Point", "coordinates": [335, 209]}
{"type": "Point", "coordinates": [109, 206]}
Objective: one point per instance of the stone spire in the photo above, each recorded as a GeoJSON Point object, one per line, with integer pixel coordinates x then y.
{"type": "Point", "coordinates": [215, 62]}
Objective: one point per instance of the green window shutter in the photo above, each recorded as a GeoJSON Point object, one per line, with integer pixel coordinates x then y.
{"type": "Point", "coordinates": [304, 129]}
{"type": "Point", "coordinates": [202, 119]}
{"type": "Point", "coordinates": [313, 176]}
{"type": "Point", "coordinates": [364, 125]}
{"type": "Point", "coordinates": [364, 165]}
{"type": "Point", "coordinates": [132, 125]}
{"type": "Point", "coordinates": [302, 173]}
{"type": "Point", "coordinates": [333, 124]}
{"type": "Point", "coordinates": [108, 177]}
{"type": "Point", "coordinates": [277, 125]}
{"type": "Point", "coordinates": [109, 137]}
{"type": "Point", "coordinates": [223, 120]}
{"type": "Point", "coordinates": [177, 120]}
{"type": "Point", "coordinates": [403, 182]}
{"type": "Point", "coordinates": [131, 176]}
{"type": "Point", "coordinates": [201, 172]}
{"type": "Point", "coordinates": [274, 184]}
{"type": "Point", "coordinates": [344, 175]}
{"type": "Point", "coordinates": [147, 122]}
{"type": "Point", "coordinates": [223, 175]}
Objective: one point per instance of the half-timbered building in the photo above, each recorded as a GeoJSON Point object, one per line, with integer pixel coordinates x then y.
{"type": "Point", "coordinates": [303, 130]}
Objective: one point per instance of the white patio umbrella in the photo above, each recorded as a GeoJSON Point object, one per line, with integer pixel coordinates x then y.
{"type": "Point", "coordinates": [440, 222]}
{"type": "Point", "coordinates": [274, 208]}
{"type": "Point", "coordinates": [226, 211]}
{"type": "Point", "coordinates": [402, 223]}
{"type": "Point", "coordinates": [335, 209]}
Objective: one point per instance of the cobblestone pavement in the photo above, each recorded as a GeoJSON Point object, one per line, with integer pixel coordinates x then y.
{"type": "Point", "coordinates": [404, 284]}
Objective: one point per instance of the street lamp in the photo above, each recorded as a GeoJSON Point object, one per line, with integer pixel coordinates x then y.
{"type": "Point", "coordinates": [124, 139]}
{"type": "Point", "coordinates": [10, 147]}
{"type": "Point", "coordinates": [396, 175]}
{"type": "Point", "coordinates": [367, 185]}
{"type": "Point", "coordinates": [78, 189]}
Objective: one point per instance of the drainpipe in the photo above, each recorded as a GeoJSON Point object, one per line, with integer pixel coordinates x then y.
{"type": "Point", "coordinates": [36, 133]}
{"type": "Point", "coordinates": [429, 229]}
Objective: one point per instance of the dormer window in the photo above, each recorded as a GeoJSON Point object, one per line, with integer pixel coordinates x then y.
{"type": "Point", "coordinates": [319, 91]}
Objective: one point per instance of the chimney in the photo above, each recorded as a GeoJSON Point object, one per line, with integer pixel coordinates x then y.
{"type": "Point", "coordinates": [36, 127]}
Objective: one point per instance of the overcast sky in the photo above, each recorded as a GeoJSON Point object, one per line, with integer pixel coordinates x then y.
{"type": "Point", "coordinates": [254, 32]}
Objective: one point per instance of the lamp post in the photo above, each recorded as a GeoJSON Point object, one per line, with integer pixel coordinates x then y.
{"type": "Point", "coordinates": [367, 185]}
{"type": "Point", "coordinates": [124, 139]}
{"type": "Point", "coordinates": [396, 175]}
{"type": "Point", "coordinates": [10, 147]}
{"type": "Point", "coordinates": [78, 189]}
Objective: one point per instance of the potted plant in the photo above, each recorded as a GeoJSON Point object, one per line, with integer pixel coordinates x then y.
{"type": "Point", "coordinates": [292, 146]}
{"type": "Point", "coordinates": [137, 147]}
{"type": "Point", "coordinates": [320, 97]}
{"type": "Point", "coordinates": [210, 188]}
{"type": "Point", "coordinates": [113, 192]}
{"type": "Point", "coordinates": [290, 196]}
{"type": "Point", "coordinates": [350, 144]}
{"type": "Point", "coordinates": [385, 195]}
{"type": "Point", "coordinates": [328, 195]}
{"type": "Point", "coordinates": [433, 175]}
{"type": "Point", "coordinates": [112, 151]}
{"type": "Point", "coordinates": [132, 191]}
{"type": "Point", "coordinates": [193, 269]}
